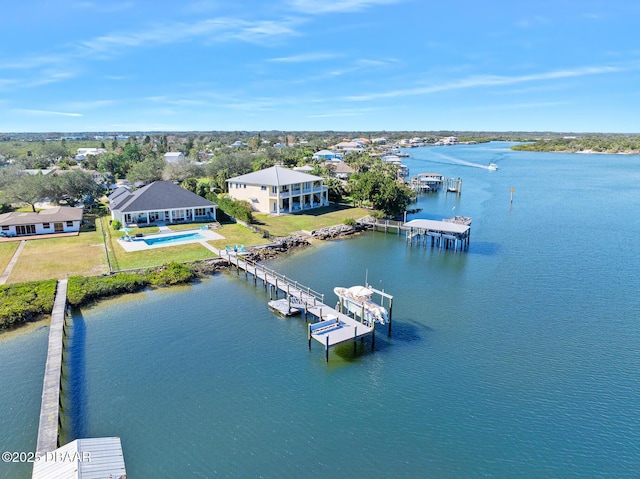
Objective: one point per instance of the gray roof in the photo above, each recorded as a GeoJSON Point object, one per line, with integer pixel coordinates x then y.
{"type": "Point", "coordinates": [274, 176]}
{"type": "Point", "coordinates": [159, 195]}
{"type": "Point", "coordinates": [50, 215]}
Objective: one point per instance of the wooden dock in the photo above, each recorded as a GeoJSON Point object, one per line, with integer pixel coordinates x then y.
{"type": "Point", "coordinates": [49, 409]}
{"type": "Point", "coordinates": [91, 458]}
{"type": "Point", "coordinates": [332, 326]}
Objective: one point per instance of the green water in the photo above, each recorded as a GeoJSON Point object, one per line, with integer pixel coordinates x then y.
{"type": "Point", "coordinates": [518, 358]}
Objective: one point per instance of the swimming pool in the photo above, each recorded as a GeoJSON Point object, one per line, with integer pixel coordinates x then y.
{"type": "Point", "coordinates": [164, 240]}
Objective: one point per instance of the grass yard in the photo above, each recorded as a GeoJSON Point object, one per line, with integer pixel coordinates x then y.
{"type": "Point", "coordinates": [159, 256]}
{"type": "Point", "coordinates": [237, 234]}
{"type": "Point", "coordinates": [315, 219]}
{"type": "Point", "coordinates": [6, 253]}
{"type": "Point", "coordinates": [58, 257]}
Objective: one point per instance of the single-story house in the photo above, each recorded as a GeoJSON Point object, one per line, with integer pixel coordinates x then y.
{"type": "Point", "coordinates": [173, 156]}
{"type": "Point", "coordinates": [339, 169]}
{"type": "Point", "coordinates": [279, 190]}
{"type": "Point", "coordinates": [83, 153]}
{"type": "Point", "coordinates": [61, 219]}
{"type": "Point", "coordinates": [159, 202]}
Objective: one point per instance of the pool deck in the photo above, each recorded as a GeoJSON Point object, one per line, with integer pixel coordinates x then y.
{"type": "Point", "coordinates": [138, 245]}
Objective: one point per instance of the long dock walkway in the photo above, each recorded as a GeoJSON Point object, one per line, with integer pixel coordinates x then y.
{"type": "Point", "coordinates": [49, 409]}
{"type": "Point", "coordinates": [332, 328]}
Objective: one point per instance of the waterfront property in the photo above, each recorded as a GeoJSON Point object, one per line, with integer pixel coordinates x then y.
{"type": "Point", "coordinates": [279, 190]}
{"type": "Point", "coordinates": [61, 219]}
{"type": "Point", "coordinates": [159, 202]}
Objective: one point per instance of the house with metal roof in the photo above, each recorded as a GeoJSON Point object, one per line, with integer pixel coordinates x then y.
{"type": "Point", "coordinates": [279, 190]}
{"type": "Point", "coordinates": [160, 202]}
{"type": "Point", "coordinates": [173, 156]}
{"type": "Point", "coordinates": [61, 219]}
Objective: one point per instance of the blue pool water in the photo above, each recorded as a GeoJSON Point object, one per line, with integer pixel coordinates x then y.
{"type": "Point", "coordinates": [173, 239]}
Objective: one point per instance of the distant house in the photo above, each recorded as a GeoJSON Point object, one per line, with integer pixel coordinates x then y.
{"type": "Point", "coordinates": [61, 219]}
{"type": "Point", "coordinates": [83, 153]}
{"type": "Point", "coordinates": [238, 144]}
{"type": "Point", "coordinates": [303, 169]}
{"type": "Point", "coordinates": [339, 169]}
{"type": "Point", "coordinates": [279, 190]}
{"type": "Point", "coordinates": [327, 155]}
{"type": "Point", "coordinates": [349, 146]}
{"type": "Point", "coordinates": [173, 156]}
{"type": "Point", "coordinates": [159, 202]}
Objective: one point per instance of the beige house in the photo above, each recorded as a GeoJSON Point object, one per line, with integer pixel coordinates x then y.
{"type": "Point", "coordinates": [279, 190]}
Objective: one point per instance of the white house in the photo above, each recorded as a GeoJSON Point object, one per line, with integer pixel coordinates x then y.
{"type": "Point", "coordinates": [160, 202]}
{"type": "Point", "coordinates": [279, 190]}
{"type": "Point", "coordinates": [173, 156]}
{"type": "Point", "coordinates": [61, 219]}
{"type": "Point", "coordinates": [83, 153]}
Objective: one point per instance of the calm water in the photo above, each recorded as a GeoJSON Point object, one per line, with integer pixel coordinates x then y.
{"type": "Point", "coordinates": [518, 358]}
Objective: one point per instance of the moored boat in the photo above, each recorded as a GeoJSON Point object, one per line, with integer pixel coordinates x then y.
{"type": "Point", "coordinates": [357, 300]}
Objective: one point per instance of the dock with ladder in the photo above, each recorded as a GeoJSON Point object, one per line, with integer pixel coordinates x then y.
{"type": "Point", "coordinates": [331, 328]}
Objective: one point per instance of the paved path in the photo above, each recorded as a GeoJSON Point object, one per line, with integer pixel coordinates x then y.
{"type": "Point", "coordinates": [12, 263]}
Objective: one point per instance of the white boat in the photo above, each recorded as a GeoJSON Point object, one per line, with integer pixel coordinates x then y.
{"type": "Point", "coordinates": [492, 167]}
{"type": "Point", "coordinates": [357, 300]}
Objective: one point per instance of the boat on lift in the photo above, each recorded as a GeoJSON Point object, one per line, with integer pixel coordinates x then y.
{"type": "Point", "coordinates": [358, 300]}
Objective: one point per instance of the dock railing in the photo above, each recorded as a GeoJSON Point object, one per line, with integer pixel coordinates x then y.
{"type": "Point", "coordinates": [279, 280]}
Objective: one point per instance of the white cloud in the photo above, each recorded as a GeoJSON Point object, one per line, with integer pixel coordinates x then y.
{"type": "Point", "coordinates": [336, 6]}
{"type": "Point", "coordinates": [304, 57]}
{"type": "Point", "coordinates": [45, 112]}
{"type": "Point", "coordinates": [105, 7]}
{"type": "Point", "coordinates": [487, 80]}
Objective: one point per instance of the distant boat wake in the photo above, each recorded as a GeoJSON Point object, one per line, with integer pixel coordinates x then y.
{"type": "Point", "coordinates": [461, 162]}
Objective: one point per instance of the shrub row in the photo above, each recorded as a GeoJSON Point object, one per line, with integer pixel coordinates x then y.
{"type": "Point", "coordinates": [82, 290]}
{"type": "Point", "coordinates": [24, 301]}
{"type": "Point", "coordinates": [238, 209]}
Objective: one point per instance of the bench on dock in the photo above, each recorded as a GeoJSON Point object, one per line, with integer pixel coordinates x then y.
{"type": "Point", "coordinates": [324, 326]}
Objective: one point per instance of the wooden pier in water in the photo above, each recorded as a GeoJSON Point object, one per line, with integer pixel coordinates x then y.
{"type": "Point", "coordinates": [50, 406]}
{"type": "Point", "coordinates": [453, 233]}
{"type": "Point", "coordinates": [332, 327]}
{"type": "Point", "coordinates": [101, 456]}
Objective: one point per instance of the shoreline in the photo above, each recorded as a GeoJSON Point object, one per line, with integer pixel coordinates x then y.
{"type": "Point", "coordinates": [204, 269]}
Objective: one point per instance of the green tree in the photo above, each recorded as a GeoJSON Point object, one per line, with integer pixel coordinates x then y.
{"type": "Point", "coordinates": [148, 170]}
{"type": "Point", "coordinates": [27, 189]}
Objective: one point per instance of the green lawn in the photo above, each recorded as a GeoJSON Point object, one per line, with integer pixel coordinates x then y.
{"type": "Point", "coordinates": [237, 234]}
{"type": "Point", "coordinates": [315, 219]}
{"type": "Point", "coordinates": [6, 253]}
{"type": "Point", "coordinates": [58, 257]}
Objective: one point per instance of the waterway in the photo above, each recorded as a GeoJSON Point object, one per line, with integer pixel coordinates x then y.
{"type": "Point", "coordinates": [518, 358]}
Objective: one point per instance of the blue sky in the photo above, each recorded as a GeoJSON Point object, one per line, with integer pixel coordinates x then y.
{"type": "Point", "coordinates": [127, 65]}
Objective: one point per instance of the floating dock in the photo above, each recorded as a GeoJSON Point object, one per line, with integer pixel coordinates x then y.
{"type": "Point", "coordinates": [333, 327]}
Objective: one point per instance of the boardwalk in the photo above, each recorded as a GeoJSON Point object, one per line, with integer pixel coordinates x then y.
{"type": "Point", "coordinates": [49, 410]}
{"type": "Point", "coordinates": [333, 327]}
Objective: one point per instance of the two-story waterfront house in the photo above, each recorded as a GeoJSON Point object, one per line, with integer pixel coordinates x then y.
{"type": "Point", "coordinates": [279, 190]}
